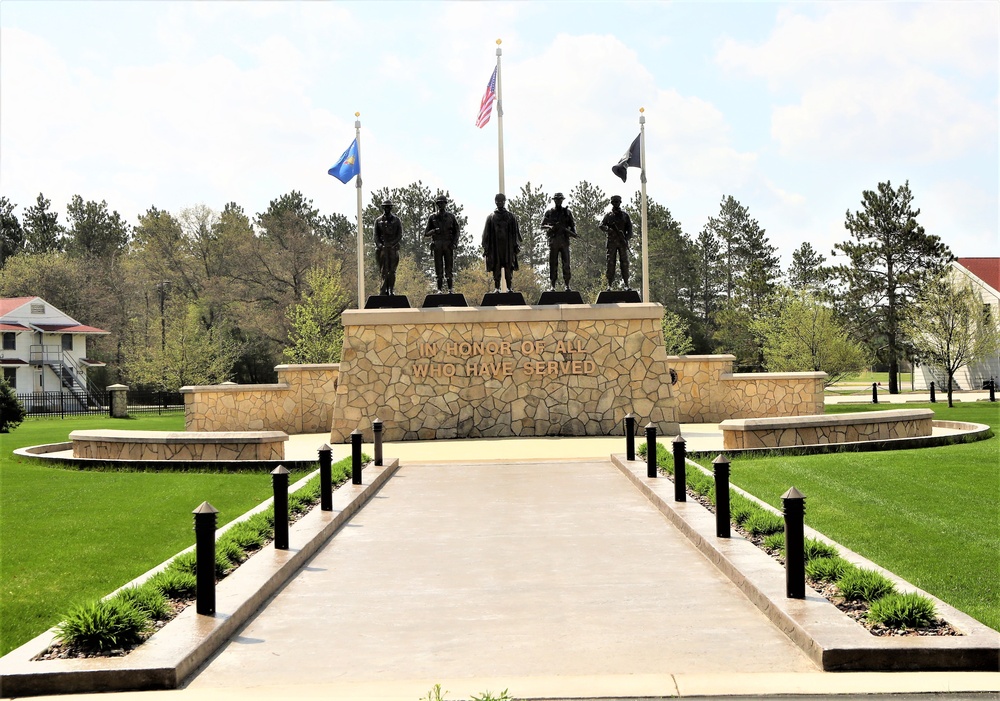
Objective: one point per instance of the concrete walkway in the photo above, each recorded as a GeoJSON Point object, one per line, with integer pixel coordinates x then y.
{"type": "Point", "coordinates": [504, 571]}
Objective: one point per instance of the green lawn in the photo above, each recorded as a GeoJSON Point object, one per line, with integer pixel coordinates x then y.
{"type": "Point", "coordinates": [69, 535]}
{"type": "Point", "coordinates": [932, 516]}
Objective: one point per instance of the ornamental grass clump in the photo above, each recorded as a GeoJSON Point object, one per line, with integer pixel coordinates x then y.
{"type": "Point", "coordinates": [763, 523]}
{"type": "Point", "coordinates": [246, 535]}
{"type": "Point", "coordinates": [864, 585]}
{"type": "Point", "coordinates": [827, 569]}
{"type": "Point", "coordinates": [740, 508]}
{"type": "Point", "coordinates": [775, 543]}
{"type": "Point", "coordinates": [100, 626]}
{"type": "Point", "coordinates": [902, 610]}
{"type": "Point", "coordinates": [147, 598]}
{"type": "Point", "coordinates": [175, 584]}
{"type": "Point", "coordinates": [816, 549]}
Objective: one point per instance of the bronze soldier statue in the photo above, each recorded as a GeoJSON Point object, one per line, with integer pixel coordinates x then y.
{"type": "Point", "coordinates": [501, 243]}
{"type": "Point", "coordinates": [442, 229]}
{"type": "Point", "coordinates": [560, 228]}
{"type": "Point", "coordinates": [388, 235]}
{"type": "Point", "coordinates": [618, 226]}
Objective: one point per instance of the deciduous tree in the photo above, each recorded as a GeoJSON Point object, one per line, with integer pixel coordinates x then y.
{"type": "Point", "coordinates": [950, 327]}
{"type": "Point", "coordinates": [316, 334]}
{"type": "Point", "coordinates": [806, 335]}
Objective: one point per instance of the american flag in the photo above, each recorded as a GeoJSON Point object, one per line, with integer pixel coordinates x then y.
{"type": "Point", "coordinates": [486, 108]}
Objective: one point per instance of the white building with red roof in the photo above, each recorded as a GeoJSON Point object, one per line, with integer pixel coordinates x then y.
{"type": "Point", "coordinates": [983, 274]}
{"type": "Point", "coordinates": [43, 349]}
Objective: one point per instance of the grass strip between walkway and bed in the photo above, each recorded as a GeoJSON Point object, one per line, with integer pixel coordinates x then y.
{"type": "Point", "coordinates": [930, 515]}
{"type": "Point", "coordinates": [69, 535]}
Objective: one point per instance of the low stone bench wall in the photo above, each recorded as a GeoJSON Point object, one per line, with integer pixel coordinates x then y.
{"type": "Point", "coordinates": [179, 445]}
{"type": "Point", "coordinates": [740, 434]}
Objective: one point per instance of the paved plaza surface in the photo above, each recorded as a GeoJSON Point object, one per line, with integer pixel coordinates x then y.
{"type": "Point", "coordinates": [504, 571]}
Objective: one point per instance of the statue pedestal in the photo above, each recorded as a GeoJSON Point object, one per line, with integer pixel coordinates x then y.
{"type": "Point", "coordinates": [619, 297]}
{"type": "Point", "coordinates": [387, 302]}
{"type": "Point", "coordinates": [503, 299]}
{"type": "Point", "coordinates": [444, 300]}
{"type": "Point", "coordinates": [567, 297]}
{"type": "Point", "coordinates": [568, 370]}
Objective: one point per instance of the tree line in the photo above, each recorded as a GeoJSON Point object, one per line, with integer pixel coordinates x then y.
{"type": "Point", "coordinates": [204, 295]}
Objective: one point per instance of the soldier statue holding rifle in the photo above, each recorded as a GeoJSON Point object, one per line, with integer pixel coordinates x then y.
{"type": "Point", "coordinates": [559, 228]}
{"type": "Point", "coordinates": [442, 229]}
{"type": "Point", "coordinates": [618, 226]}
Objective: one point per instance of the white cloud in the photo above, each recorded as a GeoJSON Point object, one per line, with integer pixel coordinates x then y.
{"type": "Point", "coordinates": [877, 80]}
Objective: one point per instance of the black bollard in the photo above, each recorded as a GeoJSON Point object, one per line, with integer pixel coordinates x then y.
{"type": "Point", "coordinates": [204, 548]}
{"type": "Point", "coordinates": [377, 430]}
{"type": "Point", "coordinates": [355, 456]}
{"type": "Point", "coordinates": [629, 436]}
{"type": "Point", "coordinates": [279, 481]}
{"type": "Point", "coordinates": [933, 397]}
{"type": "Point", "coordinates": [650, 450]}
{"type": "Point", "coordinates": [325, 478]}
{"type": "Point", "coordinates": [993, 390]}
{"type": "Point", "coordinates": [874, 392]}
{"type": "Point", "coordinates": [680, 471]}
{"type": "Point", "coordinates": [722, 525]}
{"type": "Point", "coordinates": [794, 506]}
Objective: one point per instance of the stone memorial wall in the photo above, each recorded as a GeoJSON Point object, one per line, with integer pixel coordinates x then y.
{"type": "Point", "coordinates": [508, 371]}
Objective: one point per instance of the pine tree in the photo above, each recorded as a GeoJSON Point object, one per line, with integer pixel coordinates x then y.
{"type": "Point", "coordinates": [887, 262]}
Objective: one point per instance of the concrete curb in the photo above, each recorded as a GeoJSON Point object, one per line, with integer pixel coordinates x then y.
{"type": "Point", "coordinates": [186, 642]}
{"type": "Point", "coordinates": [829, 637]}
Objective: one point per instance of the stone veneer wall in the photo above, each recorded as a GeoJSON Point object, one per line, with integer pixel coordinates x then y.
{"type": "Point", "coordinates": [300, 402]}
{"type": "Point", "coordinates": [177, 445]}
{"type": "Point", "coordinates": [708, 391]}
{"type": "Point", "coordinates": [508, 371]}
{"type": "Point", "coordinates": [817, 430]}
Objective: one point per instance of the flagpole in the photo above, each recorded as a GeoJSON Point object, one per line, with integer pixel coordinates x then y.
{"type": "Point", "coordinates": [361, 244]}
{"type": "Point", "coordinates": [500, 118]}
{"type": "Point", "coordinates": [642, 179]}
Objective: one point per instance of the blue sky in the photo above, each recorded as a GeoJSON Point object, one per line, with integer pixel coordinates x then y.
{"type": "Point", "coordinates": [792, 108]}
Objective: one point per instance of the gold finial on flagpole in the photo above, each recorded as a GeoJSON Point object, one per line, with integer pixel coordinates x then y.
{"type": "Point", "coordinates": [498, 42]}
{"type": "Point", "coordinates": [357, 114]}
{"type": "Point", "coordinates": [642, 109]}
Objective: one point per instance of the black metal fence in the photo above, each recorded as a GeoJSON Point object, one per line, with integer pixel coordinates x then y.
{"type": "Point", "coordinates": [60, 404]}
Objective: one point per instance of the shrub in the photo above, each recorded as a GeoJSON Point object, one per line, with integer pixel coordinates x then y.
{"type": "Point", "coordinates": [11, 411]}
{"type": "Point", "coordinates": [902, 610]}
{"type": "Point", "coordinates": [100, 626]}
{"type": "Point", "coordinates": [816, 549]}
{"type": "Point", "coordinates": [864, 585]}
{"type": "Point", "coordinates": [175, 584]}
{"type": "Point", "coordinates": [147, 598]}
{"type": "Point", "coordinates": [763, 522]}
{"type": "Point", "coordinates": [827, 569]}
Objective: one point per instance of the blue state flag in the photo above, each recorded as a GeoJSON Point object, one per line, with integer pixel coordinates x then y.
{"type": "Point", "coordinates": [349, 164]}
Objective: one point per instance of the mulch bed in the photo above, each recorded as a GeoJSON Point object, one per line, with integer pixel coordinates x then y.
{"type": "Point", "coordinates": [856, 610]}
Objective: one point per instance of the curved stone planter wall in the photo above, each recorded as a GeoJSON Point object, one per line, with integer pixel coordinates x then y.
{"type": "Point", "coordinates": [178, 445]}
{"type": "Point", "coordinates": [740, 434]}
